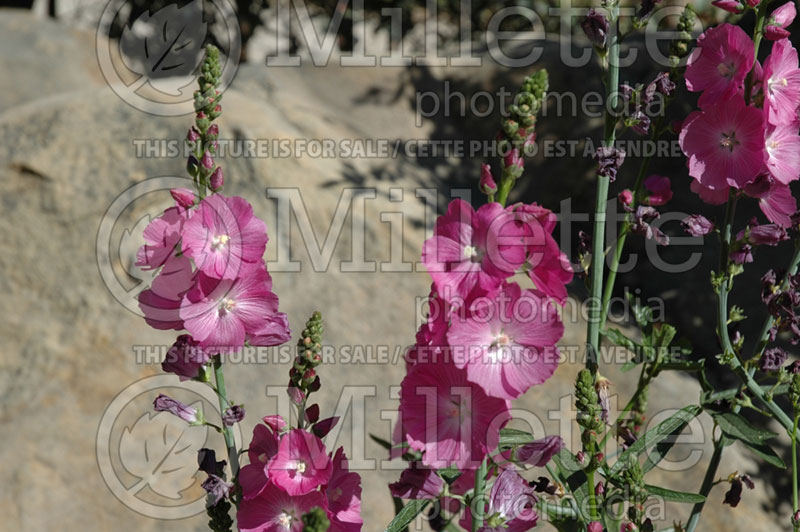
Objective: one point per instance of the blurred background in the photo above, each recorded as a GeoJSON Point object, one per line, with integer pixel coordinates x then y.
{"type": "Point", "coordinates": [73, 201]}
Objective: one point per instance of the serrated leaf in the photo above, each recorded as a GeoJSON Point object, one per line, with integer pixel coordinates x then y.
{"type": "Point", "coordinates": [407, 514]}
{"type": "Point", "coordinates": [674, 496]}
{"type": "Point", "coordinates": [161, 451]}
{"type": "Point", "coordinates": [672, 425]}
{"type": "Point", "coordinates": [737, 427]}
{"type": "Point", "coordinates": [166, 46]}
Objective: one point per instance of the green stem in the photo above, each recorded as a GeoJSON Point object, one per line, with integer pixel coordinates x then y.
{"type": "Point", "coordinates": [598, 236]}
{"type": "Point", "coordinates": [478, 505]}
{"type": "Point", "coordinates": [230, 443]}
{"type": "Point", "coordinates": [594, 515]}
{"type": "Point", "coordinates": [506, 184]}
{"type": "Point", "coordinates": [708, 483]}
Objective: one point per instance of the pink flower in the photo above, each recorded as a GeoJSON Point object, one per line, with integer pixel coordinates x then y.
{"type": "Point", "coordinates": [724, 144]}
{"type": "Point", "coordinates": [782, 153]}
{"type": "Point", "coordinates": [472, 251]}
{"type": "Point", "coordinates": [263, 447]}
{"type": "Point", "coordinates": [275, 331]}
{"type": "Point", "coordinates": [161, 303]}
{"type": "Point", "coordinates": [779, 20]}
{"type": "Point", "coordinates": [625, 197]}
{"type": "Point", "coordinates": [449, 418]}
{"type": "Point", "coordinates": [659, 191]}
{"type": "Point", "coordinates": [507, 344]}
{"type": "Point", "coordinates": [164, 403]}
{"type": "Point", "coordinates": [718, 66]}
{"type": "Point", "coordinates": [539, 452]}
{"type": "Point", "coordinates": [781, 84]}
{"type": "Point", "coordinates": [775, 199]}
{"type": "Point", "coordinates": [343, 493]}
{"type": "Point", "coordinates": [512, 506]}
{"type": "Point", "coordinates": [185, 358]}
{"type": "Point", "coordinates": [223, 235]}
{"type": "Point", "coordinates": [417, 482]}
{"type": "Point", "coordinates": [161, 238]}
{"type": "Point", "coordinates": [301, 465]}
{"type": "Point", "coordinates": [710, 195]}
{"type": "Point", "coordinates": [546, 265]}
{"type": "Point", "coordinates": [219, 314]}
{"type": "Point", "coordinates": [274, 510]}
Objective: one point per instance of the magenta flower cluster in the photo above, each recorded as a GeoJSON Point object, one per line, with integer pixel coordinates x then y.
{"type": "Point", "coordinates": [291, 473]}
{"type": "Point", "coordinates": [745, 137]}
{"type": "Point", "coordinates": [212, 280]}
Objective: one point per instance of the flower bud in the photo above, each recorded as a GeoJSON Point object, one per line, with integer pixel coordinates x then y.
{"type": "Point", "coordinates": [217, 180]}
{"type": "Point", "coordinates": [599, 489]}
{"type": "Point", "coordinates": [208, 161]}
{"type": "Point", "coordinates": [165, 403]}
{"type": "Point", "coordinates": [513, 162]}
{"type": "Point", "coordinates": [731, 6]}
{"type": "Point", "coordinates": [775, 29]}
{"type": "Point", "coordinates": [487, 184]}
{"type": "Point", "coordinates": [233, 415]}
{"type": "Point", "coordinates": [213, 131]}
{"type": "Point", "coordinates": [625, 197]}
{"type": "Point", "coordinates": [183, 197]}
{"type": "Point", "coordinates": [193, 135]}
{"type": "Point", "coordinates": [595, 26]}
{"type": "Point", "coordinates": [594, 526]}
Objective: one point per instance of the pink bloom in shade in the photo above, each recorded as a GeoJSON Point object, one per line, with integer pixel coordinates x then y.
{"type": "Point", "coordinates": [219, 314]}
{"type": "Point", "coordinates": [472, 251]}
{"type": "Point", "coordinates": [274, 332]}
{"type": "Point", "coordinates": [710, 195]}
{"type": "Point", "coordinates": [658, 188]}
{"type": "Point", "coordinates": [718, 66]}
{"type": "Point", "coordinates": [417, 482]}
{"type": "Point", "coordinates": [507, 344]}
{"type": "Point", "coordinates": [731, 6]}
{"type": "Point", "coordinates": [274, 510]}
{"type": "Point", "coordinates": [449, 418]}
{"type": "Point", "coordinates": [511, 508]}
{"type": "Point", "coordinates": [625, 197]}
{"type": "Point", "coordinates": [539, 452]}
{"type": "Point", "coordinates": [774, 199]}
{"type": "Point", "coordinates": [343, 493]}
{"type": "Point", "coordinates": [724, 144]}
{"type": "Point", "coordinates": [263, 447]}
{"type": "Point", "coordinates": [781, 84]}
{"type": "Point", "coordinates": [779, 20]}
{"type": "Point", "coordinates": [301, 465]}
{"type": "Point", "coordinates": [185, 358]}
{"type": "Point", "coordinates": [223, 235]}
{"type": "Point", "coordinates": [161, 303]}
{"type": "Point", "coordinates": [782, 153]}
{"type": "Point", "coordinates": [161, 238]}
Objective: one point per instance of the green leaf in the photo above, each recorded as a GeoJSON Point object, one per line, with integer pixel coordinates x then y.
{"type": "Point", "coordinates": [766, 453]}
{"type": "Point", "coordinates": [615, 336]}
{"type": "Point", "coordinates": [671, 426]}
{"type": "Point", "coordinates": [512, 437]}
{"type": "Point", "coordinates": [408, 513]}
{"type": "Point", "coordinates": [663, 335]}
{"type": "Point", "coordinates": [674, 496]}
{"type": "Point", "coordinates": [737, 427]}
{"type": "Point", "coordinates": [572, 476]}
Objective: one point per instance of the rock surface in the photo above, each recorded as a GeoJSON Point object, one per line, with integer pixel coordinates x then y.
{"type": "Point", "coordinates": [69, 346]}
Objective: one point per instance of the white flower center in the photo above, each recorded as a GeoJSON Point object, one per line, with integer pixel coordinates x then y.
{"type": "Point", "coordinates": [300, 466]}
{"type": "Point", "coordinates": [285, 520]}
{"type": "Point", "coordinates": [771, 146]}
{"type": "Point", "coordinates": [470, 252]}
{"type": "Point", "coordinates": [226, 305]}
{"type": "Point", "coordinates": [219, 241]}
{"type": "Point", "coordinates": [726, 70]}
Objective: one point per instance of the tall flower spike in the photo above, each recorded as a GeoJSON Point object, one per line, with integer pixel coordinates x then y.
{"type": "Point", "coordinates": [302, 377]}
